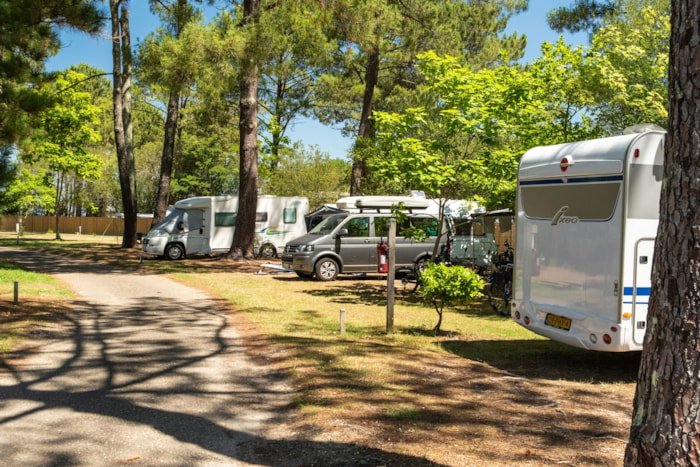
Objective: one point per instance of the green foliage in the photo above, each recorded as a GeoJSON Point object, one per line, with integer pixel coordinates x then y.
{"type": "Point", "coordinates": [28, 37]}
{"type": "Point", "coordinates": [442, 285]}
{"type": "Point", "coordinates": [28, 192]}
{"type": "Point", "coordinates": [583, 15]}
{"type": "Point", "coordinates": [305, 171]}
{"type": "Point", "coordinates": [627, 66]}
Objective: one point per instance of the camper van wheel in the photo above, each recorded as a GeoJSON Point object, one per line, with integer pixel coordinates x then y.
{"type": "Point", "coordinates": [326, 269]}
{"type": "Point", "coordinates": [174, 251]}
{"type": "Point", "coordinates": [267, 251]}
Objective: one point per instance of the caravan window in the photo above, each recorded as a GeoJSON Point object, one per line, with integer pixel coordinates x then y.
{"type": "Point", "coordinates": [225, 219]}
{"type": "Point", "coordinates": [587, 201]}
{"type": "Point", "coordinates": [261, 216]}
{"type": "Point", "coordinates": [289, 215]}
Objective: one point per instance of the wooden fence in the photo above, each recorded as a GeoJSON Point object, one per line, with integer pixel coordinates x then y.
{"type": "Point", "coordinates": [72, 225]}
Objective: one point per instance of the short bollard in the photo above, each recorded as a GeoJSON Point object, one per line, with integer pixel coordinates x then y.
{"type": "Point", "coordinates": [342, 321]}
{"type": "Point", "coordinates": [16, 292]}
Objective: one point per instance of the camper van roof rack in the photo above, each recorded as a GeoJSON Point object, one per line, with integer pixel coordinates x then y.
{"type": "Point", "coordinates": [387, 202]}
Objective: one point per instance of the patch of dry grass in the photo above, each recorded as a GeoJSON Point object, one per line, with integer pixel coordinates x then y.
{"type": "Point", "coordinates": [484, 392]}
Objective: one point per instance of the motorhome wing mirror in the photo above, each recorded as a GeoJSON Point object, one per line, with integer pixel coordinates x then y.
{"type": "Point", "coordinates": [180, 225]}
{"type": "Point", "coordinates": [342, 233]}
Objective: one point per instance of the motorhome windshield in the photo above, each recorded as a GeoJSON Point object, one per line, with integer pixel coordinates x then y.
{"type": "Point", "coordinates": [169, 224]}
{"type": "Point", "coordinates": [328, 224]}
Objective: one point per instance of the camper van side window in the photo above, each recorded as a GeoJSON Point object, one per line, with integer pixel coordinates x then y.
{"type": "Point", "coordinates": [358, 227]}
{"type": "Point", "coordinates": [289, 215]}
{"type": "Point", "coordinates": [225, 219]}
{"type": "Point", "coordinates": [261, 216]}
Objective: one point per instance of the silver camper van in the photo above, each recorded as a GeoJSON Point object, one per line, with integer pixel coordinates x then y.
{"type": "Point", "coordinates": [347, 243]}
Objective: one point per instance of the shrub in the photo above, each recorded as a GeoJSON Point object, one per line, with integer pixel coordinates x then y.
{"type": "Point", "coordinates": [444, 285]}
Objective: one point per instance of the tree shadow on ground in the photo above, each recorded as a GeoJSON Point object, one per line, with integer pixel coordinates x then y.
{"type": "Point", "coordinates": [113, 365]}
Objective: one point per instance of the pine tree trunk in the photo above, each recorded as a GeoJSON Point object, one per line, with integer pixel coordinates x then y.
{"type": "Point", "coordinates": [131, 206]}
{"type": "Point", "coordinates": [244, 235]}
{"type": "Point", "coordinates": [665, 420]}
{"type": "Point", "coordinates": [167, 157]}
{"type": "Point", "coordinates": [121, 140]}
{"type": "Point", "coordinates": [365, 132]}
{"type": "Point", "coordinates": [172, 121]}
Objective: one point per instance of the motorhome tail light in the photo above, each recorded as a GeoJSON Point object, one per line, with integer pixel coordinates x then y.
{"type": "Point", "coordinates": [565, 163]}
{"type": "Point", "coordinates": [636, 153]}
{"type": "Point", "coordinates": [607, 339]}
{"type": "Point", "coordinates": [626, 315]}
{"type": "Point", "coordinates": [527, 320]}
{"type": "Point", "coordinates": [517, 314]}
{"type": "Point", "coordinates": [613, 328]}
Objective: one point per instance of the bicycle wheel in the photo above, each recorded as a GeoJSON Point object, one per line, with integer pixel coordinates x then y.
{"type": "Point", "coordinates": [406, 282]}
{"type": "Point", "coordinates": [499, 297]}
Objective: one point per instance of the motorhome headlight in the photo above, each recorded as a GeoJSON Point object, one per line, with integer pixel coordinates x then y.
{"type": "Point", "coordinates": [306, 248]}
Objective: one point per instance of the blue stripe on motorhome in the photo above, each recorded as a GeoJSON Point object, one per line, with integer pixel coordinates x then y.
{"type": "Point", "coordinates": [563, 180]}
{"type": "Point", "coordinates": [642, 293]}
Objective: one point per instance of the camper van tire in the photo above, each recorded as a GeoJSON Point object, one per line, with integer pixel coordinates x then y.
{"type": "Point", "coordinates": [326, 269]}
{"type": "Point", "coordinates": [267, 251]}
{"type": "Point", "coordinates": [174, 251]}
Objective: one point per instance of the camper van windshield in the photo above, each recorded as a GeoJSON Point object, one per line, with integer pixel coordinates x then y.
{"type": "Point", "coordinates": [328, 224]}
{"type": "Point", "coordinates": [169, 224]}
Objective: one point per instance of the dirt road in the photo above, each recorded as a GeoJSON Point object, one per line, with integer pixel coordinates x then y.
{"type": "Point", "coordinates": [146, 371]}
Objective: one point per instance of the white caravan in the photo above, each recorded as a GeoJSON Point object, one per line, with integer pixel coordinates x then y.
{"type": "Point", "coordinates": [587, 215]}
{"type": "Point", "coordinates": [205, 225]}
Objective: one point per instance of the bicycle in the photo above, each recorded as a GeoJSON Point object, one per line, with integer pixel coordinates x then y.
{"type": "Point", "coordinates": [500, 283]}
{"type": "Point", "coordinates": [500, 289]}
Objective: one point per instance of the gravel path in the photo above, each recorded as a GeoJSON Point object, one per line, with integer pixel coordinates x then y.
{"type": "Point", "coordinates": [147, 371]}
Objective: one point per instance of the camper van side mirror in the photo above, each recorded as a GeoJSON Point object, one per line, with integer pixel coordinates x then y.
{"type": "Point", "coordinates": [342, 233]}
{"type": "Point", "coordinates": [180, 225]}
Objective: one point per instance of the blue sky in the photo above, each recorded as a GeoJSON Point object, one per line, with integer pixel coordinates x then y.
{"type": "Point", "coordinates": [79, 48]}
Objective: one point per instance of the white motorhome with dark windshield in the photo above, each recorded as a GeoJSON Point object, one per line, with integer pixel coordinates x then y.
{"type": "Point", "coordinates": [587, 215]}
{"type": "Point", "coordinates": [205, 225]}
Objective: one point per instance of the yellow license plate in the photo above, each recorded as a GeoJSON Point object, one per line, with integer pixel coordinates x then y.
{"type": "Point", "coordinates": [557, 322]}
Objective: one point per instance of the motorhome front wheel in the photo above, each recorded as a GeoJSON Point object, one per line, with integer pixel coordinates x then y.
{"type": "Point", "coordinates": [174, 251]}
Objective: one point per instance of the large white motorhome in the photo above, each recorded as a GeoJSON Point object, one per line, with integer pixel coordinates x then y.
{"type": "Point", "coordinates": [587, 216]}
{"type": "Point", "coordinates": [205, 225]}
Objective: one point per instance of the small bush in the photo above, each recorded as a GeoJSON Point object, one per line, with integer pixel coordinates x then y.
{"type": "Point", "coordinates": [443, 285]}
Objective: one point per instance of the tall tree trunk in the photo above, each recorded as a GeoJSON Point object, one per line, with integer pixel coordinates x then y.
{"type": "Point", "coordinates": [122, 142]}
{"type": "Point", "coordinates": [57, 203]}
{"type": "Point", "coordinates": [365, 132]}
{"type": "Point", "coordinates": [131, 214]}
{"type": "Point", "coordinates": [666, 418]}
{"type": "Point", "coordinates": [244, 235]}
{"type": "Point", "coordinates": [166, 160]}
{"type": "Point", "coordinates": [172, 121]}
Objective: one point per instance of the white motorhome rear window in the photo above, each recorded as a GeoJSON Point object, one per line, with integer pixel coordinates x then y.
{"type": "Point", "coordinates": [583, 199]}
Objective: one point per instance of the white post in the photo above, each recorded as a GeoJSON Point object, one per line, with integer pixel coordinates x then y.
{"type": "Point", "coordinates": [342, 321]}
